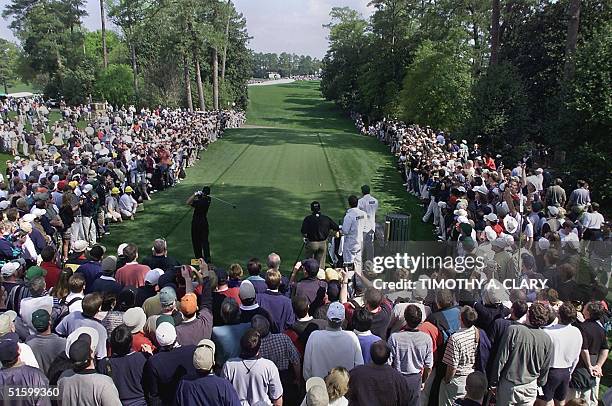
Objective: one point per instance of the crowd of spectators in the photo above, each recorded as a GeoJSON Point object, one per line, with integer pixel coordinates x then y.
{"type": "Point", "coordinates": [124, 328]}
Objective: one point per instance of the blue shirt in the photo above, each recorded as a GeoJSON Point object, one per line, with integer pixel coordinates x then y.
{"type": "Point", "coordinates": [366, 341]}
{"type": "Point", "coordinates": [280, 309]}
{"type": "Point", "coordinates": [75, 320]}
{"type": "Point", "coordinates": [91, 270]}
{"type": "Point", "coordinates": [227, 341]}
{"type": "Point", "coordinates": [206, 390]}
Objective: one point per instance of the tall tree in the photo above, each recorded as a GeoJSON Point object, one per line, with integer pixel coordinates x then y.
{"type": "Point", "coordinates": [495, 17]}
{"type": "Point", "coordinates": [103, 22]}
{"type": "Point", "coordinates": [572, 39]}
{"type": "Point", "coordinates": [8, 63]}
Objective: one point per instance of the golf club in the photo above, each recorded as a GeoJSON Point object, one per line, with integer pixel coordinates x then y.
{"type": "Point", "coordinates": [223, 201]}
{"type": "Point", "coordinates": [300, 253]}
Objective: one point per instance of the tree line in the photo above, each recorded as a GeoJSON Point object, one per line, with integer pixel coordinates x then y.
{"type": "Point", "coordinates": [174, 52]}
{"type": "Point", "coordinates": [285, 64]}
{"type": "Point", "coordinates": [513, 75]}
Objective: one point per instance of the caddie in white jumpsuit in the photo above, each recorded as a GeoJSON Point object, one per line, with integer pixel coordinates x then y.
{"type": "Point", "coordinates": [369, 205]}
{"type": "Point", "coordinates": [353, 227]}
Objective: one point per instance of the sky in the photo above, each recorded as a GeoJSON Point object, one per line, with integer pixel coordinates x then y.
{"type": "Point", "coordinates": [294, 26]}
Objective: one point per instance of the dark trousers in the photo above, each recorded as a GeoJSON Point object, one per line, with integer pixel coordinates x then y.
{"type": "Point", "coordinates": [413, 383]}
{"type": "Point", "coordinates": [199, 240]}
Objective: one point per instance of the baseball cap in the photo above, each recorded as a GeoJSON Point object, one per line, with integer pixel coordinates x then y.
{"type": "Point", "coordinates": [9, 268]}
{"type": "Point", "coordinates": [4, 204]}
{"type": "Point", "coordinates": [222, 276]}
{"type": "Point", "coordinates": [80, 246]}
{"type": "Point", "coordinates": [204, 355]}
{"type": "Point", "coordinates": [6, 320]}
{"type": "Point", "coordinates": [76, 334]}
{"type": "Point", "coordinates": [9, 349]}
{"type": "Point", "coordinates": [311, 266]}
{"type": "Point", "coordinates": [331, 275]}
{"type": "Point", "coordinates": [247, 290]}
{"type": "Point", "coordinates": [40, 319]}
{"type": "Point", "coordinates": [134, 318]}
{"type": "Point", "coordinates": [80, 349]}
{"type": "Point", "coordinates": [167, 296]}
{"type": "Point", "coordinates": [165, 333]}
{"type": "Point", "coordinates": [115, 191]}
{"type": "Point", "coordinates": [316, 392]}
{"type": "Point", "coordinates": [164, 318]}
{"type": "Point", "coordinates": [34, 271]}
{"type": "Point", "coordinates": [109, 264]}
{"type": "Point", "coordinates": [129, 189]}
{"type": "Point", "coordinates": [491, 217]}
{"type": "Point", "coordinates": [335, 311]}
{"type": "Point", "coordinates": [120, 248]}
{"type": "Point", "coordinates": [28, 218]}
{"type": "Point", "coordinates": [189, 304]}
{"type": "Point", "coordinates": [152, 276]}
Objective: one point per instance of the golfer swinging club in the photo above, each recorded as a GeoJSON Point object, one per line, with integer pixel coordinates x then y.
{"type": "Point", "coordinates": [316, 229]}
{"type": "Point", "coordinates": [200, 201]}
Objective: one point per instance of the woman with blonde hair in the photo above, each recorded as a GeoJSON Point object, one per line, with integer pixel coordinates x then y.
{"type": "Point", "coordinates": [337, 385]}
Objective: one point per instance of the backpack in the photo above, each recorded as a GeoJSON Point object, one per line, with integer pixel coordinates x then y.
{"type": "Point", "coordinates": [61, 310]}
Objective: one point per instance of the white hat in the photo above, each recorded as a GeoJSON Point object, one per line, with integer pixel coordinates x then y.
{"type": "Point", "coordinates": [9, 268]}
{"type": "Point", "coordinates": [460, 212]}
{"type": "Point", "coordinates": [336, 311]}
{"type": "Point", "coordinates": [153, 275]}
{"type": "Point", "coordinates": [28, 218]}
{"type": "Point", "coordinates": [461, 189]}
{"type": "Point", "coordinates": [39, 212]}
{"type": "Point", "coordinates": [508, 238]}
{"type": "Point", "coordinates": [462, 219]}
{"type": "Point", "coordinates": [165, 334]}
{"type": "Point", "coordinates": [490, 233]}
{"type": "Point", "coordinates": [442, 205]}
{"type": "Point", "coordinates": [543, 244]}
{"type": "Point", "coordinates": [134, 318]}
{"type": "Point", "coordinates": [80, 246]}
{"type": "Point", "coordinates": [491, 217]}
{"type": "Point", "coordinates": [4, 204]}
{"type": "Point", "coordinates": [76, 334]}
{"type": "Point", "coordinates": [481, 189]}
{"type": "Point", "coordinates": [510, 224]}
{"type": "Point", "coordinates": [553, 211]}
{"type": "Point", "coordinates": [120, 248]}
{"type": "Point", "coordinates": [87, 188]}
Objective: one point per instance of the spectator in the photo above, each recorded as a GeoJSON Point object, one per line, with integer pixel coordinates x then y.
{"type": "Point", "coordinates": [82, 385]}
{"type": "Point", "coordinates": [132, 273]}
{"type": "Point", "coordinates": [337, 386]}
{"type": "Point", "coordinates": [149, 289]}
{"type": "Point", "coordinates": [566, 345]}
{"type": "Point", "coordinates": [475, 390]}
{"type": "Point", "coordinates": [205, 388]}
{"type": "Point", "coordinates": [45, 345]}
{"type": "Point", "coordinates": [159, 257]}
{"type": "Point", "coordinates": [249, 306]}
{"type": "Point", "coordinates": [362, 322]}
{"type": "Point", "coordinates": [86, 318]}
{"type": "Point", "coordinates": [106, 282]}
{"type": "Point", "coordinates": [521, 369]}
{"type": "Point", "coordinates": [255, 379]}
{"type": "Point", "coordinates": [164, 370]}
{"type": "Point", "coordinates": [227, 336]}
{"type": "Point", "coordinates": [321, 354]}
{"type": "Point", "coordinates": [221, 292]}
{"type": "Point", "coordinates": [15, 373]}
{"type": "Point", "coordinates": [378, 383]}
{"type": "Point", "coordinates": [135, 320]}
{"type": "Point", "coordinates": [92, 268]}
{"type": "Point", "coordinates": [125, 366]}
{"type": "Point", "coordinates": [275, 303]}
{"type": "Point", "coordinates": [254, 270]}
{"type": "Point", "coordinates": [48, 264]}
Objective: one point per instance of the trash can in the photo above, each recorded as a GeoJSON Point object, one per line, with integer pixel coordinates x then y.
{"type": "Point", "coordinates": [397, 227]}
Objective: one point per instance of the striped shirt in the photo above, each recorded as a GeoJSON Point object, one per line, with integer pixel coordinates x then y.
{"type": "Point", "coordinates": [461, 350]}
{"type": "Point", "coordinates": [410, 351]}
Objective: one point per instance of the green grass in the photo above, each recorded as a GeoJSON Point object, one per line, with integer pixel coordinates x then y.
{"type": "Point", "coordinates": [20, 87]}
{"type": "Point", "coordinates": [296, 148]}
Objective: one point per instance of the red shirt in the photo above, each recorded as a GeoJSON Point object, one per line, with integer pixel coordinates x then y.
{"type": "Point", "coordinates": [53, 273]}
{"type": "Point", "coordinates": [234, 293]}
{"type": "Point", "coordinates": [132, 274]}
{"type": "Point", "coordinates": [432, 331]}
